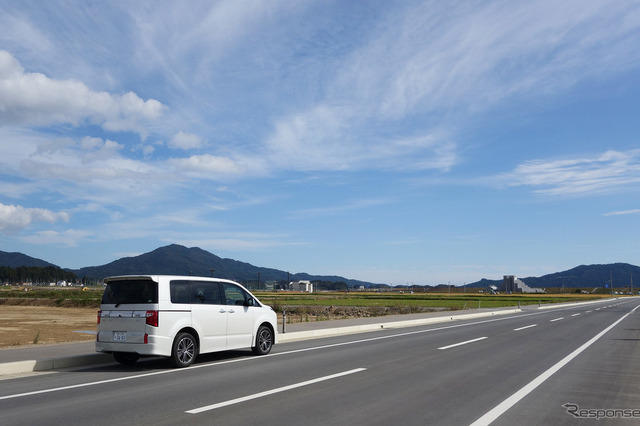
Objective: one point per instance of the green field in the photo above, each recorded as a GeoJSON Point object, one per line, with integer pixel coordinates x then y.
{"type": "Point", "coordinates": [90, 298]}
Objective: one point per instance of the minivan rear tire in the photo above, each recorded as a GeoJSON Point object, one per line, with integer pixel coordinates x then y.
{"type": "Point", "coordinates": [264, 341]}
{"type": "Point", "coordinates": [184, 350]}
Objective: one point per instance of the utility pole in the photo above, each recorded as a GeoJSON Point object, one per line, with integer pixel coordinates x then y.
{"type": "Point", "coordinates": [611, 281]}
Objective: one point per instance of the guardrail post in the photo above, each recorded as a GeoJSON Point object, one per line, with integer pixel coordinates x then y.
{"type": "Point", "coordinates": [284, 321]}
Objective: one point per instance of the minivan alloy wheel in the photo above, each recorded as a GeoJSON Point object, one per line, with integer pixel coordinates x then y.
{"type": "Point", "coordinates": [264, 341]}
{"type": "Point", "coordinates": [184, 350]}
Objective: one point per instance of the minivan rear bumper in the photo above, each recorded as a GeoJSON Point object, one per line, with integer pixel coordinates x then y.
{"type": "Point", "coordinates": [157, 346]}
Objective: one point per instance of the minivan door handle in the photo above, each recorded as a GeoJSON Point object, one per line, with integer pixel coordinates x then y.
{"type": "Point", "coordinates": [222, 311]}
{"type": "Point", "coordinates": [231, 311]}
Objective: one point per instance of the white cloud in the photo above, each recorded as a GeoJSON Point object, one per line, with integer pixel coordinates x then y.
{"type": "Point", "coordinates": [607, 172]}
{"type": "Point", "coordinates": [33, 99]}
{"type": "Point", "coordinates": [241, 241]}
{"type": "Point", "coordinates": [68, 238]}
{"type": "Point", "coordinates": [185, 141]}
{"type": "Point", "coordinates": [207, 164]}
{"type": "Point", "coordinates": [431, 67]}
{"type": "Point", "coordinates": [215, 167]}
{"type": "Point", "coordinates": [623, 212]}
{"type": "Point", "coordinates": [13, 217]}
{"type": "Point", "coordinates": [339, 138]}
{"type": "Point", "coordinates": [334, 210]}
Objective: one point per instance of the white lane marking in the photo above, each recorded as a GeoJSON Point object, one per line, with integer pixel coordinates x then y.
{"type": "Point", "coordinates": [587, 312]}
{"type": "Point", "coordinates": [178, 370]}
{"type": "Point", "coordinates": [462, 343]}
{"type": "Point", "coordinates": [215, 364]}
{"type": "Point", "coordinates": [575, 315]}
{"type": "Point", "coordinates": [597, 309]}
{"type": "Point", "coordinates": [525, 327]}
{"type": "Point", "coordinates": [499, 409]}
{"type": "Point", "coordinates": [557, 319]}
{"type": "Point", "coordinates": [272, 391]}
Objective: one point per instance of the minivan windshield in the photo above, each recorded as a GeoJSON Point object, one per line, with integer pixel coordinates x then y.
{"type": "Point", "coordinates": [120, 292]}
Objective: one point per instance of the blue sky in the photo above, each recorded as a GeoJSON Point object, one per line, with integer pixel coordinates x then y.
{"type": "Point", "coordinates": [398, 142]}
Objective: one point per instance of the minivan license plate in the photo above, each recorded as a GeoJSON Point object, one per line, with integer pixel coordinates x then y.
{"type": "Point", "coordinates": [119, 336]}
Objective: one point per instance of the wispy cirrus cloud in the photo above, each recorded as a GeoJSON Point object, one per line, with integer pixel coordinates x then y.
{"type": "Point", "coordinates": [339, 209]}
{"type": "Point", "coordinates": [623, 212]}
{"type": "Point", "coordinates": [607, 172]}
{"type": "Point", "coordinates": [430, 66]}
{"type": "Point", "coordinates": [67, 238]}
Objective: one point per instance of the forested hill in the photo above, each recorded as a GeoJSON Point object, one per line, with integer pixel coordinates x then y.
{"type": "Point", "coordinates": [618, 274]}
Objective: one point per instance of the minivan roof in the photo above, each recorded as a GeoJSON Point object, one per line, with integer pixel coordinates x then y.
{"type": "Point", "coordinates": [169, 277]}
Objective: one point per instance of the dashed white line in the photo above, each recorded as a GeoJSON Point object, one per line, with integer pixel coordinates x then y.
{"type": "Point", "coordinates": [272, 391]}
{"type": "Point", "coordinates": [525, 327]}
{"type": "Point", "coordinates": [557, 319]}
{"type": "Point", "coordinates": [499, 409]}
{"type": "Point", "coordinates": [462, 343]}
{"type": "Point", "coordinates": [575, 315]}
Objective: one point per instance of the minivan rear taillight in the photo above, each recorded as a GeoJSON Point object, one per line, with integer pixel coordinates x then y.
{"type": "Point", "coordinates": [152, 318]}
{"type": "Point", "coordinates": [99, 315]}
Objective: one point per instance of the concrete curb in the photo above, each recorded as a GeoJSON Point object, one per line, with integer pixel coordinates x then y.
{"type": "Point", "coordinates": [340, 331]}
{"type": "Point", "coordinates": [28, 366]}
{"type": "Point", "coordinates": [577, 302]}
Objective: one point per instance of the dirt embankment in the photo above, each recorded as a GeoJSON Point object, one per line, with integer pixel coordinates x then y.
{"type": "Point", "coordinates": [28, 325]}
{"type": "Point", "coordinates": [46, 321]}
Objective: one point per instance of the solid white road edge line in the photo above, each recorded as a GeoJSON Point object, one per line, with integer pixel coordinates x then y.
{"type": "Point", "coordinates": [499, 409]}
{"type": "Point", "coordinates": [272, 391]}
{"type": "Point", "coordinates": [462, 343]}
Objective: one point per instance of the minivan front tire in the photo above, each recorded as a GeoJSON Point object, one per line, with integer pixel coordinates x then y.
{"type": "Point", "coordinates": [184, 350]}
{"type": "Point", "coordinates": [264, 341]}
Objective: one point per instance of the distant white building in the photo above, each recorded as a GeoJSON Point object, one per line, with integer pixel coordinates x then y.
{"type": "Point", "coordinates": [513, 284]}
{"type": "Point", "coordinates": [304, 286]}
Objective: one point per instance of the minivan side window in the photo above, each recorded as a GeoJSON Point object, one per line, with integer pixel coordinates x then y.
{"type": "Point", "coordinates": [205, 292]}
{"type": "Point", "coordinates": [234, 295]}
{"type": "Point", "coordinates": [180, 291]}
{"type": "Point", "coordinates": [130, 292]}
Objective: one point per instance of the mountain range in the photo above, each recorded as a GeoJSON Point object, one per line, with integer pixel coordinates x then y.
{"type": "Point", "coordinates": [175, 259]}
{"type": "Point", "coordinates": [616, 274]}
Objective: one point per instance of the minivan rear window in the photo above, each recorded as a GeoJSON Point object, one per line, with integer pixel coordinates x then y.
{"type": "Point", "coordinates": [123, 292]}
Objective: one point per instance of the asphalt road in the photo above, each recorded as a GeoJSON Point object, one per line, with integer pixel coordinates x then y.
{"type": "Point", "coordinates": [515, 369]}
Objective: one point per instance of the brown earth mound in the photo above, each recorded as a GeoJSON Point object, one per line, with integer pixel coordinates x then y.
{"type": "Point", "coordinates": [32, 321]}
{"type": "Point", "coordinates": [28, 325]}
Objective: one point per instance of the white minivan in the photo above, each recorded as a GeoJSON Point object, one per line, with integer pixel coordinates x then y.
{"type": "Point", "coordinates": [180, 317]}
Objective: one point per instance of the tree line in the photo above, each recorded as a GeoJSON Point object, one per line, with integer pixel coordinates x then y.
{"type": "Point", "coordinates": [35, 275]}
